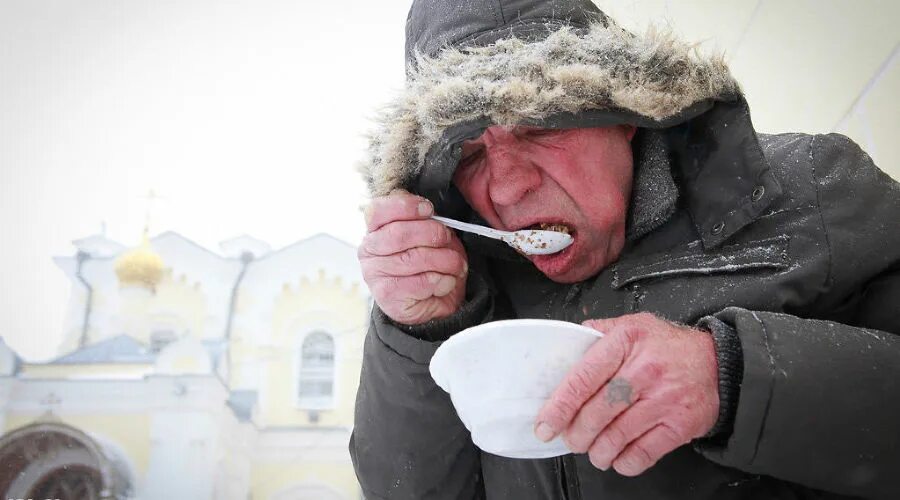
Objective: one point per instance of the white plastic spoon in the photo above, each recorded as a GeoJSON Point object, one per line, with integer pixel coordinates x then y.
{"type": "Point", "coordinates": [527, 241]}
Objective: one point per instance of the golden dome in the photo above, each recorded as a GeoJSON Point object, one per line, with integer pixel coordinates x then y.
{"type": "Point", "coordinates": [140, 267]}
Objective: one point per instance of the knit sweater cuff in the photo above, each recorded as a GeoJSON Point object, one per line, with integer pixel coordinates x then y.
{"type": "Point", "coordinates": [476, 309]}
{"type": "Point", "coordinates": [730, 358]}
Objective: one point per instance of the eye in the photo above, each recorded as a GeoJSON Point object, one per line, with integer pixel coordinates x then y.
{"type": "Point", "coordinates": [532, 132]}
{"type": "Point", "coordinates": [470, 156]}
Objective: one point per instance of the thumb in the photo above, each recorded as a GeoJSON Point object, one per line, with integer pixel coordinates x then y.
{"type": "Point", "coordinates": [603, 325]}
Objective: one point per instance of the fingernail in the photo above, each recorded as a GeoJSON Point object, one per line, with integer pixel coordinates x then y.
{"type": "Point", "coordinates": [544, 432]}
{"type": "Point", "coordinates": [425, 208]}
{"type": "Point", "coordinates": [604, 468]}
{"type": "Point", "coordinates": [625, 465]}
{"type": "Point", "coordinates": [444, 286]}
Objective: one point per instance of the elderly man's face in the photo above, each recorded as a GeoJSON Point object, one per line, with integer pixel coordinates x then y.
{"type": "Point", "coordinates": [520, 177]}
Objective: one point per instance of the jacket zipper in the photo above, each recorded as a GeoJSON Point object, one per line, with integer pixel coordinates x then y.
{"type": "Point", "coordinates": [567, 478]}
{"type": "Point", "coordinates": [561, 479]}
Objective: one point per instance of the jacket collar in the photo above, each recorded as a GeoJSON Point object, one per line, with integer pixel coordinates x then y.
{"type": "Point", "coordinates": [726, 182]}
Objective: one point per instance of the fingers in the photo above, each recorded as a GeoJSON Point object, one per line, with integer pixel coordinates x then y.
{"type": "Point", "coordinates": [591, 373]}
{"type": "Point", "coordinates": [402, 290]}
{"type": "Point", "coordinates": [613, 399]}
{"type": "Point", "coordinates": [399, 236]}
{"type": "Point", "coordinates": [630, 425]}
{"type": "Point", "coordinates": [399, 205]}
{"type": "Point", "coordinates": [416, 261]}
{"type": "Point", "coordinates": [417, 299]}
{"type": "Point", "coordinates": [644, 452]}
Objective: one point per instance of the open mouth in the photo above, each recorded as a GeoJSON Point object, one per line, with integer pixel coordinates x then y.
{"type": "Point", "coordinates": [558, 263]}
{"type": "Point", "coordinates": [551, 226]}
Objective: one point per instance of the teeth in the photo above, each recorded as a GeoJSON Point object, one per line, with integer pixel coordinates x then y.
{"type": "Point", "coordinates": [554, 227]}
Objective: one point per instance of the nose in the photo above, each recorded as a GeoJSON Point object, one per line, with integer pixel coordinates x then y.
{"type": "Point", "coordinates": [512, 174]}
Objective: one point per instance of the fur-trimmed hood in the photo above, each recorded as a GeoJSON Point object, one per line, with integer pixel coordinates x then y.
{"type": "Point", "coordinates": [592, 77]}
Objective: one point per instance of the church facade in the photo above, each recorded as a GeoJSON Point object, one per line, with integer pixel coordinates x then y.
{"type": "Point", "coordinates": [188, 374]}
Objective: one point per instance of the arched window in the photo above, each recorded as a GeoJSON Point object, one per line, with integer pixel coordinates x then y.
{"type": "Point", "coordinates": [316, 387]}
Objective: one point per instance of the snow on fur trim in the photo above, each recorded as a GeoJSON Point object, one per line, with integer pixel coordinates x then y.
{"type": "Point", "coordinates": [513, 81]}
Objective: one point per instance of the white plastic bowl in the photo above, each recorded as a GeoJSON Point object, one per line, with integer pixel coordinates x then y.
{"type": "Point", "coordinates": [500, 374]}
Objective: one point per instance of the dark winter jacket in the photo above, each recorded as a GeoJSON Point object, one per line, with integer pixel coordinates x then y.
{"type": "Point", "coordinates": [786, 246]}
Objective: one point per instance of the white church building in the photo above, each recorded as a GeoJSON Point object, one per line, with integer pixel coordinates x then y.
{"type": "Point", "coordinates": [192, 374]}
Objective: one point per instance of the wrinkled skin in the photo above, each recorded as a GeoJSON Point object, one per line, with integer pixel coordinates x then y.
{"type": "Point", "coordinates": [515, 177]}
{"type": "Point", "coordinates": [414, 266]}
{"type": "Point", "coordinates": [647, 387]}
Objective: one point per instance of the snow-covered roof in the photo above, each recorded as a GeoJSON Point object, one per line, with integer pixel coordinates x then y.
{"type": "Point", "coordinates": [98, 245]}
{"type": "Point", "coordinates": [118, 349]}
{"type": "Point", "coordinates": [305, 258]}
{"type": "Point", "coordinates": [233, 248]}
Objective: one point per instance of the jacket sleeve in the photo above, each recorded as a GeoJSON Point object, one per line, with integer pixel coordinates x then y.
{"type": "Point", "coordinates": [408, 442]}
{"type": "Point", "coordinates": [819, 399]}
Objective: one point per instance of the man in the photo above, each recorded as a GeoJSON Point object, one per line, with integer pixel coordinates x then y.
{"type": "Point", "coordinates": [747, 284]}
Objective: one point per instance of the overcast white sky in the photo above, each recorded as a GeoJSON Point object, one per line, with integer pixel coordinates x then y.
{"type": "Point", "coordinates": [246, 116]}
